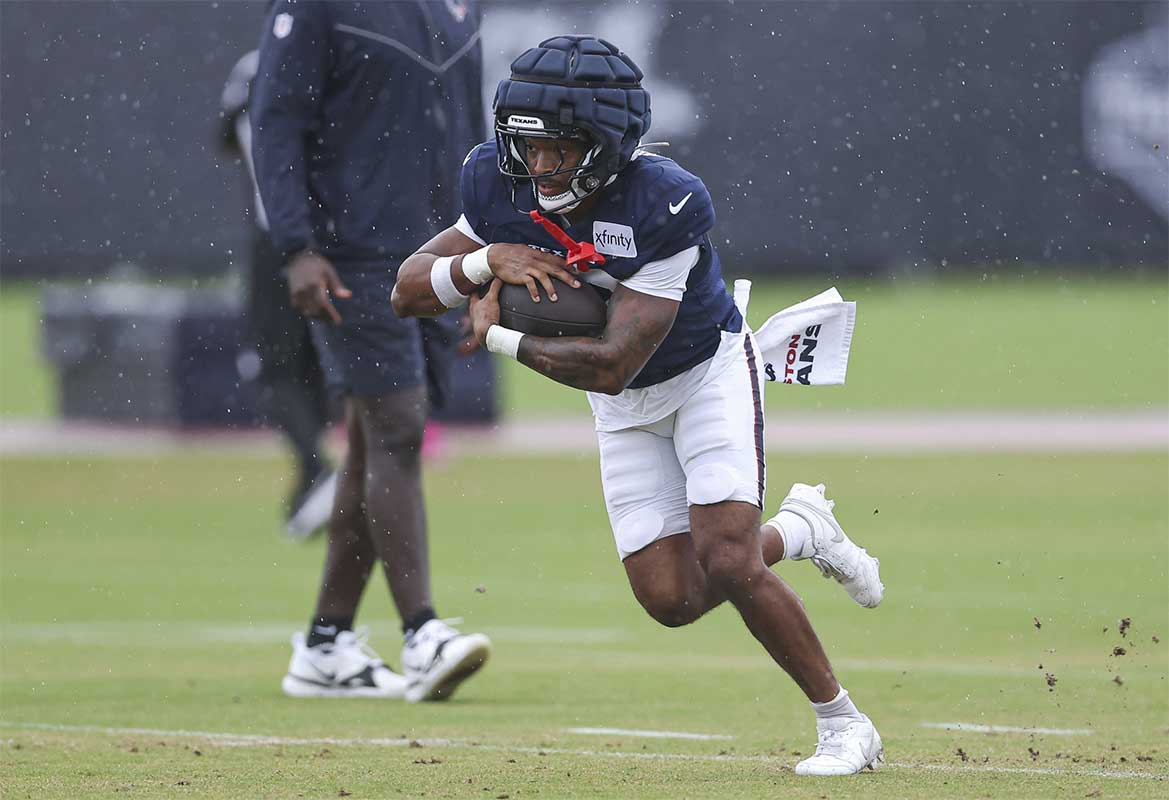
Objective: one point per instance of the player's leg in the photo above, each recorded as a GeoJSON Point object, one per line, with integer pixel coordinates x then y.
{"type": "Point", "coordinates": [726, 544]}
{"type": "Point", "coordinates": [719, 442]}
{"type": "Point", "coordinates": [331, 649]}
{"type": "Point", "coordinates": [671, 585]}
{"type": "Point", "coordinates": [668, 581]}
{"type": "Point", "coordinates": [350, 556]}
{"type": "Point", "coordinates": [645, 495]}
{"type": "Point", "coordinates": [386, 374]}
{"type": "Point", "coordinates": [333, 660]}
{"type": "Point", "coordinates": [771, 543]}
{"type": "Point", "coordinates": [392, 426]}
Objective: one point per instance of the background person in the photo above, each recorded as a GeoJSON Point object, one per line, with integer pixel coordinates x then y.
{"type": "Point", "coordinates": [280, 357]}
{"type": "Point", "coordinates": [361, 114]}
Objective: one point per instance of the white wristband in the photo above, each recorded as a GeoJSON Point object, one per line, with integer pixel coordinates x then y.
{"type": "Point", "coordinates": [443, 285]}
{"type": "Point", "coordinates": [503, 340]}
{"type": "Point", "coordinates": [476, 268]}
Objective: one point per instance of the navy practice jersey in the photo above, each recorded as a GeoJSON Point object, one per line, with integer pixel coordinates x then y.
{"type": "Point", "coordinates": [653, 210]}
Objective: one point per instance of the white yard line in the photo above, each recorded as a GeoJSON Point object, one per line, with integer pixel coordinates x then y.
{"type": "Point", "coordinates": [260, 740]}
{"type": "Point", "coordinates": [268, 633]}
{"type": "Point", "coordinates": [703, 737]}
{"type": "Point", "coordinates": [975, 728]}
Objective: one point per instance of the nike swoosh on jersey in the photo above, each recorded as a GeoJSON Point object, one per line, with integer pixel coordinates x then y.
{"type": "Point", "coordinates": [674, 209]}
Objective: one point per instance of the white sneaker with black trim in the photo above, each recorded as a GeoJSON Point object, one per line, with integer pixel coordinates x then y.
{"type": "Point", "coordinates": [830, 549]}
{"type": "Point", "coordinates": [437, 658]}
{"type": "Point", "coordinates": [346, 668]}
{"type": "Point", "coordinates": [845, 746]}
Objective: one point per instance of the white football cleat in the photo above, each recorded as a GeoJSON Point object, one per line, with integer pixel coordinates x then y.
{"type": "Point", "coordinates": [845, 746]}
{"type": "Point", "coordinates": [437, 658]}
{"type": "Point", "coordinates": [346, 668]}
{"type": "Point", "coordinates": [829, 547]}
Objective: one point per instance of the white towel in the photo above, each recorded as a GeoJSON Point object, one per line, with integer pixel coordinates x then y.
{"type": "Point", "coordinates": [808, 343]}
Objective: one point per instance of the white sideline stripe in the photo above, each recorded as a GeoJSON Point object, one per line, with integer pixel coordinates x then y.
{"type": "Point", "coordinates": [260, 740]}
{"type": "Point", "coordinates": [266, 633]}
{"type": "Point", "coordinates": [970, 726]}
{"type": "Point", "coordinates": [704, 737]}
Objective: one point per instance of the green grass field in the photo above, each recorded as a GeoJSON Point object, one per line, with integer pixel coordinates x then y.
{"type": "Point", "coordinates": [152, 593]}
{"type": "Point", "coordinates": [1002, 343]}
{"type": "Point", "coordinates": [146, 601]}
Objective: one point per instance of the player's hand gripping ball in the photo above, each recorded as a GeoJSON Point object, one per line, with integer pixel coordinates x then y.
{"type": "Point", "coordinates": [576, 312]}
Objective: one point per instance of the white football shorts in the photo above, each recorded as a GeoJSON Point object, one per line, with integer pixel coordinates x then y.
{"type": "Point", "coordinates": [707, 451]}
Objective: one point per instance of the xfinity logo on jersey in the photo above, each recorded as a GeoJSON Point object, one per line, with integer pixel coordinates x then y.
{"type": "Point", "coordinates": [614, 240]}
{"type": "Point", "coordinates": [801, 349]}
{"type": "Point", "coordinates": [516, 121]}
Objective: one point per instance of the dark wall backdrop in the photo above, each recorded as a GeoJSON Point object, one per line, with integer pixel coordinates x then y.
{"type": "Point", "coordinates": [108, 112]}
{"type": "Point", "coordinates": [861, 136]}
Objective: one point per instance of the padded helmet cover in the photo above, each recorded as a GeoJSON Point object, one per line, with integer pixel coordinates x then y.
{"type": "Point", "coordinates": [568, 86]}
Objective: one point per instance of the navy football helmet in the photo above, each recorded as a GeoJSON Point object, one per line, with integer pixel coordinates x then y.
{"type": "Point", "coordinates": [571, 87]}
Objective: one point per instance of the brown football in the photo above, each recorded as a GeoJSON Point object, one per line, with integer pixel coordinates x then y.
{"type": "Point", "coordinates": [576, 312]}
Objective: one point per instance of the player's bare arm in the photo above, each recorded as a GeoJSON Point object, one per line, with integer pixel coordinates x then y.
{"type": "Point", "coordinates": [637, 324]}
{"type": "Point", "coordinates": [414, 292]}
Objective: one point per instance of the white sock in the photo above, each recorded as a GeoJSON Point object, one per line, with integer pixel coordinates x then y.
{"type": "Point", "coordinates": [839, 706]}
{"type": "Point", "coordinates": [796, 534]}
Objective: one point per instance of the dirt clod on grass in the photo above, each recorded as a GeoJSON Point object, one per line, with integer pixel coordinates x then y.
{"type": "Point", "coordinates": [1051, 681]}
{"type": "Point", "coordinates": [1118, 651]}
{"type": "Point", "coordinates": [1125, 624]}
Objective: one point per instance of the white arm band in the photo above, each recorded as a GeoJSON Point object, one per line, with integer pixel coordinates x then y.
{"type": "Point", "coordinates": [503, 340]}
{"type": "Point", "coordinates": [442, 283]}
{"type": "Point", "coordinates": [476, 268]}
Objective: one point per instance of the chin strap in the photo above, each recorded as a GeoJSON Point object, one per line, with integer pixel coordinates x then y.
{"type": "Point", "coordinates": [581, 255]}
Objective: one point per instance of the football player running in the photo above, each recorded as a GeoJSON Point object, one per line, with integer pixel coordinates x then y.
{"type": "Point", "coordinates": [673, 381]}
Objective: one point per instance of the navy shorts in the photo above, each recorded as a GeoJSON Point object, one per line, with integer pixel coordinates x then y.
{"type": "Point", "coordinates": [371, 352]}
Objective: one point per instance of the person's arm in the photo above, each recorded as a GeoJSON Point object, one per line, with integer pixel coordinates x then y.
{"type": "Point", "coordinates": [294, 61]}
{"type": "Point", "coordinates": [637, 325]}
{"type": "Point", "coordinates": [448, 268]}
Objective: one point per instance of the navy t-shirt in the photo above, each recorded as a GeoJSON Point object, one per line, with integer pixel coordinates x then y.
{"type": "Point", "coordinates": [653, 210]}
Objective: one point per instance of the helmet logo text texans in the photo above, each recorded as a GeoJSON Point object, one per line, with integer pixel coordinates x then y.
{"type": "Point", "coordinates": [516, 121]}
